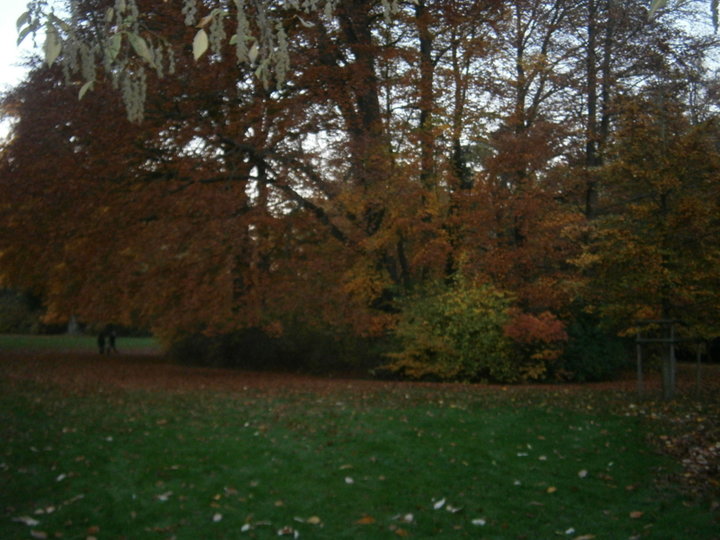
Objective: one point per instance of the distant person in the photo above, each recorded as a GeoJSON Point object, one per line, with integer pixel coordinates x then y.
{"type": "Point", "coordinates": [101, 341]}
{"type": "Point", "coordinates": [112, 335]}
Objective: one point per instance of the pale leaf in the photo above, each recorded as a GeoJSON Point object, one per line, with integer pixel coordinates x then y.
{"type": "Point", "coordinates": [23, 20]}
{"type": "Point", "coordinates": [24, 33]}
{"type": "Point", "coordinates": [53, 45]}
{"type": "Point", "coordinates": [204, 21]}
{"type": "Point", "coordinates": [253, 53]}
{"type": "Point", "coordinates": [200, 44]}
{"type": "Point", "coordinates": [306, 24]}
{"type": "Point", "coordinates": [84, 89]}
{"type": "Point", "coordinates": [141, 48]}
{"type": "Point", "coordinates": [114, 45]}
{"type": "Point", "coordinates": [27, 520]}
{"type": "Point", "coordinates": [655, 6]}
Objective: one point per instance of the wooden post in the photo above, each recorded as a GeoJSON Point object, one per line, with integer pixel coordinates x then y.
{"type": "Point", "coordinates": [668, 367]}
{"type": "Point", "coordinates": [698, 365]}
{"type": "Point", "coordinates": [667, 341]}
{"type": "Point", "coordinates": [638, 348]}
{"type": "Point", "coordinates": [673, 361]}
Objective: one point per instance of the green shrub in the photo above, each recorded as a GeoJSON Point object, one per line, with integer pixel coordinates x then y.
{"type": "Point", "coordinates": [592, 353]}
{"type": "Point", "coordinates": [18, 314]}
{"type": "Point", "coordinates": [249, 348]}
{"type": "Point", "coordinates": [297, 348]}
{"type": "Point", "coordinates": [454, 332]}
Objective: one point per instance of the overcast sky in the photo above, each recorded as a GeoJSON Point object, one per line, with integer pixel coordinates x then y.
{"type": "Point", "coordinates": [10, 55]}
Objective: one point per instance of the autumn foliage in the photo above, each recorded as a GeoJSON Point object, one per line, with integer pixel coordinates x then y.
{"type": "Point", "coordinates": [498, 155]}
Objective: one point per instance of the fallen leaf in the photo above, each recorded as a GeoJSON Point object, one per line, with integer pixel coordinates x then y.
{"type": "Point", "coordinates": [314, 520]}
{"type": "Point", "coordinates": [246, 527]}
{"type": "Point", "coordinates": [349, 480]}
{"type": "Point", "coordinates": [217, 517]}
{"type": "Point", "coordinates": [38, 534]}
{"type": "Point", "coordinates": [583, 473]}
{"type": "Point", "coordinates": [401, 532]}
{"type": "Point", "coordinates": [164, 496]}
{"type": "Point", "coordinates": [93, 530]}
{"type": "Point", "coordinates": [551, 489]}
{"type": "Point", "coordinates": [479, 522]}
{"type": "Point", "coordinates": [27, 520]}
{"type": "Point", "coordinates": [365, 520]}
{"type": "Point", "coordinates": [585, 537]}
{"type": "Point", "coordinates": [636, 514]}
{"type": "Point", "coordinates": [439, 504]}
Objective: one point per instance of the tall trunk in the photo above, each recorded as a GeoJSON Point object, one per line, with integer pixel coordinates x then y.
{"type": "Point", "coordinates": [426, 101]}
{"type": "Point", "coordinates": [462, 172]}
{"type": "Point", "coordinates": [607, 77]}
{"type": "Point", "coordinates": [592, 160]}
{"type": "Point", "coordinates": [521, 83]}
{"type": "Point", "coordinates": [368, 142]}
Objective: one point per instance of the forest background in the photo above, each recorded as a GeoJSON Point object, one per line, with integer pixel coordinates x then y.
{"type": "Point", "coordinates": [448, 190]}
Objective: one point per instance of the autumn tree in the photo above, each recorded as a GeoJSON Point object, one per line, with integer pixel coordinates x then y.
{"type": "Point", "coordinates": [655, 252]}
{"type": "Point", "coordinates": [315, 165]}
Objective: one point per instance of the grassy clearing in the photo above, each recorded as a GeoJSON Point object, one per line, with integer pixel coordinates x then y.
{"type": "Point", "coordinates": [423, 462]}
{"type": "Point", "coordinates": [65, 342]}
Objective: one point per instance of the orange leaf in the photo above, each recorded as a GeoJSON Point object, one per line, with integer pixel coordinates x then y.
{"type": "Point", "coordinates": [365, 520]}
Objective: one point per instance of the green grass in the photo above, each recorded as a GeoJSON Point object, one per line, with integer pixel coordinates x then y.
{"type": "Point", "coordinates": [64, 342]}
{"type": "Point", "coordinates": [340, 465]}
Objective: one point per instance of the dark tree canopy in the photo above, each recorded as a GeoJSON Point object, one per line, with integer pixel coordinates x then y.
{"type": "Point", "coordinates": [235, 165]}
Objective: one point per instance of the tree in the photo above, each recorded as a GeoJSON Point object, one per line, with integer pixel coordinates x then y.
{"type": "Point", "coordinates": [655, 254]}
{"type": "Point", "coordinates": [324, 164]}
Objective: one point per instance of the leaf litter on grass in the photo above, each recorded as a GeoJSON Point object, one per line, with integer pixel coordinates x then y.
{"type": "Point", "coordinates": [450, 436]}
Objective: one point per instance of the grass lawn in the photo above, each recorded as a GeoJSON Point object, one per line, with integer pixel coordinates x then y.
{"type": "Point", "coordinates": [65, 342]}
{"type": "Point", "coordinates": [352, 460]}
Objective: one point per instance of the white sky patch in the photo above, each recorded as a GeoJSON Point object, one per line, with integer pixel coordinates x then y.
{"type": "Point", "coordinates": [12, 56]}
